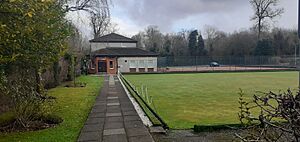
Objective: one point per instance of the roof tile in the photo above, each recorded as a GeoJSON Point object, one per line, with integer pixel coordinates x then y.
{"type": "Point", "coordinates": [124, 52]}
{"type": "Point", "coordinates": [113, 37]}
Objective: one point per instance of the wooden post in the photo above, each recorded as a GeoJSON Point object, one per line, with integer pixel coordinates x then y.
{"type": "Point", "coordinates": [147, 95]}
{"type": "Point", "coordinates": [142, 88]}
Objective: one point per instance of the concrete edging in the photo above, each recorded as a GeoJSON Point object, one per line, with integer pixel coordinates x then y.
{"type": "Point", "coordinates": [137, 107]}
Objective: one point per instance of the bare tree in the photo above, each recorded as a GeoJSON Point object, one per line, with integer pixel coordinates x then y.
{"type": "Point", "coordinates": [263, 10]}
{"type": "Point", "coordinates": [140, 37]}
{"type": "Point", "coordinates": [271, 117]}
{"type": "Point", "coordinates": [98, 11]}
{"type": "Point", "coordinates": [211, 33]}
{"type": "Point", "coordinates": [153, 38]}
{"type": "Point", "coordinates": [91, 6]}
{"type": "Point", "coordinates": [99, 23]}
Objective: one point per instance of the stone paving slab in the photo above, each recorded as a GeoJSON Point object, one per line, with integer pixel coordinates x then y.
{"type": "Point", "coordinates": [113, 104]}
{"type": "Point", "coordinates": [97, 115]}
{"type": "Point", "coordinates": [90, 136]}
{"type": "Point", "coordinates": [133, 124]}
{"type": "Point", "coordinates": [113, 101]}
{"type": "Point", "coordinates": [141, 139]}
{"type": "Point", "coordinates": [113, 125]}
{"type": "Point", "coordinates": [113, 117]}
{"type": "Point", "coordinates": [114, 132]}
{"type": "Point", "coordinates": [111, 98]}
{"type": "Point", "coordinates": [92, 120]}
{"type": "Point", "coordinates": [99, 110]}
{"type": "Point", "coordinates": [114, 110]}
{"type": "Point", "coordinates": [115, 138]}
{"type": "Point", "coordinates": [137, 132]}
{"type": "Point", "coordinates": [93, 127]}
{"type": "Point", "coordinates": [113, 114]}
{"type": "Point", "coordinates": [130, 113]}
{"type": "Point", "coordinates": [132, 118]}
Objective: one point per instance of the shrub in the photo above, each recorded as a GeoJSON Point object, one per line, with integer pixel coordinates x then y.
{"type": "Point", "coordinates": [71, 60]}
{"type": "Point", "coordinates": [211, 128]}
{"type": "Point", "coordinates": [6, 118]}
{"type": "Point", "coordinates": [51, 119]}
{"type": "Point", "coordinates": [56, 72]}
{"type": "Point", "coordinates": [271, 117]}
{"type": "Point", "coordinates": [27, 104]}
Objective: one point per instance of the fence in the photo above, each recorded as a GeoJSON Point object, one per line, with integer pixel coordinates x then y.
{"type": "Point", "coordinates": [202, 63]}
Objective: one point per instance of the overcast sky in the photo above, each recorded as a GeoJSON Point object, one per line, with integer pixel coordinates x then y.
{"type": "Point", "coordinates": [133, 16]}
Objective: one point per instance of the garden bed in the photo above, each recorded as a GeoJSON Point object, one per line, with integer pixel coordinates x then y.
{"type": "Point", "coordinates": [72, 105]}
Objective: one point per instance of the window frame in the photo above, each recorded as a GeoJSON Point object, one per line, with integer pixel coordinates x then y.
{"type": "Point", "coordinates": [111, 64]}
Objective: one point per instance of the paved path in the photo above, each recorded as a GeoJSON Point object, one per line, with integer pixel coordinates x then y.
{"type": "Point", "coordinates": [113, 117]}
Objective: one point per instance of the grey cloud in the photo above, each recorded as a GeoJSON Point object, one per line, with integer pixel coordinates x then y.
{"type": "Point", "coordinates": [165, 12]}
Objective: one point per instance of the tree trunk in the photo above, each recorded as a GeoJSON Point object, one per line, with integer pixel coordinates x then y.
{"type": "Point", "coordinates": [259, 28]}
{"type": "Point", "coordinates": [38, 76]}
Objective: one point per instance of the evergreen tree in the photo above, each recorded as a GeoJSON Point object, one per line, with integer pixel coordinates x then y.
{"type": "Point", "coordinates": [264, 48]}
{"type": "Point", "coordinates": [193, 43]}
{"type": "Point", "coordinates": [201, 46]}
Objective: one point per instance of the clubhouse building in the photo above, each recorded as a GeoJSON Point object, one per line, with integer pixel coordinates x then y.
{"type": "Point", "coordinates": [113, 52]}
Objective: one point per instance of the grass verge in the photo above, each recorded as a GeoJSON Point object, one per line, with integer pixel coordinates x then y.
{"type": "Point", "coordinates": [73, 105]}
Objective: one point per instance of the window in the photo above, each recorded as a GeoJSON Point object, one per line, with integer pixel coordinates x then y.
{"type": "Point", "coordinates": [150, 63]}
{"type": "Point", "coordinates": [92, 64]}
{"type": "Point", "coordinates": [132, 64]}
{"type": "Point", "coordinates": [141, 63]}
{"type": "Point", "coordinates": [111, 64]}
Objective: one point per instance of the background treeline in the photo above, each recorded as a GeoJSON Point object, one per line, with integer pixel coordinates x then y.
{"type": "Point", "coordinates": [213, 42]}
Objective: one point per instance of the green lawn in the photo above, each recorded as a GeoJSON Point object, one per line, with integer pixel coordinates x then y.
{"type": "Point", "coordinates": [183, 100]}
{"type": "Point", "coordinates": [73, 105]}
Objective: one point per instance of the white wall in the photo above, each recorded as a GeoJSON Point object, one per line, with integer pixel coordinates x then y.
{"type": "Point", "coordinates": [96, 46]}
{"type": "Point", "coordinates": [125, 63]}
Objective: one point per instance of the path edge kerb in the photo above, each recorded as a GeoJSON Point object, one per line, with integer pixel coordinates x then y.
{"type": "Point", "coordinates": [146, 121]}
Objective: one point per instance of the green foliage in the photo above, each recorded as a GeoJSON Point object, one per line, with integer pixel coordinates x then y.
{"type": "Point", "coordinates": [6, 118]}
{"type": "Point", "coordinates": [264, 48]}
{"type": "Point", "coordinates": [51, 119]}
{"type": "Point", "coordinates": [28, 104]}
{"type": "Point", "coordinates": [73, 105]}
{"type": "Point", "coordinates": [32, 37]}
{"type": "Point", "coordinates": [71, 60]}
{"type": "Point", "coordinates": [211, 128]}
{"type": "Point", "coordinates": [201, 46]}
{"type": "Point", "coordinates": [32, 32]}
{"type": "Point", "coordinates": [193, 43]}
{"type": "Point", "coordinates": [84, 66]}
{"type": "Point", "coordinates": [56, 73]}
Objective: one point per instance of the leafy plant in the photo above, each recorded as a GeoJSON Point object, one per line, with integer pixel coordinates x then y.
{"type": "Point", "coordinates": [28, 104]}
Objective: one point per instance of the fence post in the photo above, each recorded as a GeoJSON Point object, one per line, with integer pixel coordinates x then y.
{"type": "Point", "coordinates": [142, 89]}
{"type": "Point", "coordinates": [151, 100]}
{"type": "Point", "coordinates": [230, 63]}
{"type": "Point", "coordinates": [147, 98]}
{"type": "Point", "coordinates": [196, 64]}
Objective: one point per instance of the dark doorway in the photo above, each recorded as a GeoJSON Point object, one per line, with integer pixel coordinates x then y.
{"type": "Point", "coordinates": [102, 66]}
